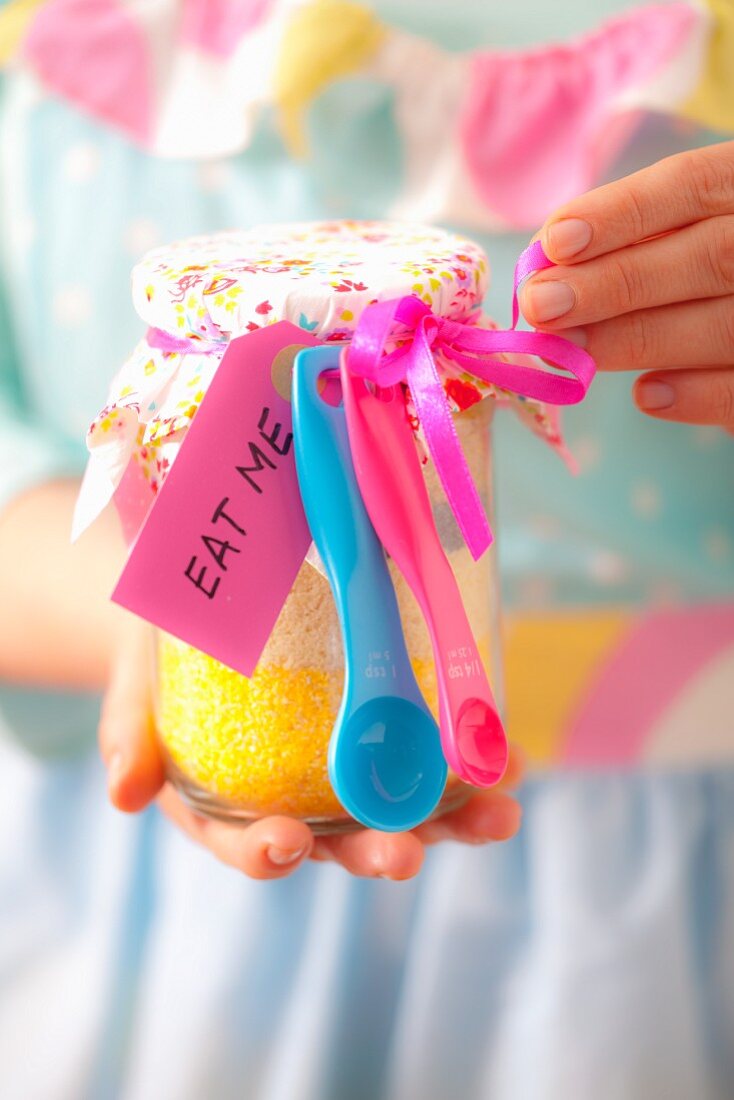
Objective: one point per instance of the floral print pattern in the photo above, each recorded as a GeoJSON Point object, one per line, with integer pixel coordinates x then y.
{"type": "Point", "coordinates": [319, 276]}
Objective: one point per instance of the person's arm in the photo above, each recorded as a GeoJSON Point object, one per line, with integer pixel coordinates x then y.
{"type": "Point", "coordinates": [646, 282]}
{"type": "Point", "coordinates": [55, 620]}
{"type": "Point", "coordinates": [57, 626]}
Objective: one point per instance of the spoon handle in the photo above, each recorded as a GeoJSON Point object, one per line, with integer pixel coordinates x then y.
{"type": "Point", "coordinates": [466, 695]}
{"type": "Point", "coordinates": [385, 761]}
{"type": "Point", "coordinates": [394, 491]}
{"type": "Point", "coordinates": [374, 647]}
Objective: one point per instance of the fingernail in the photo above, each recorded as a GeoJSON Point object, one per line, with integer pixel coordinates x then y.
{"type": "Point", "coordinates": [281, 857]}
{"type": "Point", "coordinates": [567, 237]}
{"type": "Point", "coordinates": [655, 395]}
{"type": "Point", "coordinates": [547, 300]}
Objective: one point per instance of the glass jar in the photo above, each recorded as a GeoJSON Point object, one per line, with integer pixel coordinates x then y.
{"type": "Point", "coordinates": [242, 748]}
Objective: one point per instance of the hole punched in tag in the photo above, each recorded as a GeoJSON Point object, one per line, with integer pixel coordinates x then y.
{"type": "Point", "coordinates": [329, 388]}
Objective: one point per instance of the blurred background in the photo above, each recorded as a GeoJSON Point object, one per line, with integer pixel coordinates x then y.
{"type": "Point", "coordinates": [593, 954]}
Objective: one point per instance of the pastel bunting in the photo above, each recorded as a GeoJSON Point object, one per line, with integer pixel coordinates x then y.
{"type": "Point", "coordinates": [491, 137]}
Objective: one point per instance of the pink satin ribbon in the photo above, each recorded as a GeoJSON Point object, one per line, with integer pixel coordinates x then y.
{"type": "Point", "coordinates": [161, 340]}
{"type": "Point", "coordinates": [471, 348]}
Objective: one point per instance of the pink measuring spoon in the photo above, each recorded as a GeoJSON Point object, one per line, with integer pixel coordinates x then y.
{"type": "Point", "coordinates": [393, 489]}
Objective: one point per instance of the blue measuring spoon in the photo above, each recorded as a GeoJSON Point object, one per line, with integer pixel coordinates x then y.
{"type": "Point", "coordinates": [385, 760]}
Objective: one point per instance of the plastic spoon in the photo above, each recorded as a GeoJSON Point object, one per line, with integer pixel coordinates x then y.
{"type": "Point", "coordinates": [393, 489]}
{"type": "Point", "coordinates": [385, 759]}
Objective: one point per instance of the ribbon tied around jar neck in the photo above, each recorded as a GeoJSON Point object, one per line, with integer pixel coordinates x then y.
{"type": "Point", "coordinates": [421, 335]}
{"type": "Point", "coordinates": [416, 335]}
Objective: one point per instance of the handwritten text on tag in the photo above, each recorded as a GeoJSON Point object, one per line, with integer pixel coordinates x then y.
{"type": "Point", "coordinates": [221, 546]}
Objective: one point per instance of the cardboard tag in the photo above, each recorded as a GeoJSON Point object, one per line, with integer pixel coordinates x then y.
{"type": "Point", "coordinates": [221, 546]}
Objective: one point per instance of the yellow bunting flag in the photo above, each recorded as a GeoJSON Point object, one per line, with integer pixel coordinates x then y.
{"type": "Point", "coordinates": [712, 103]}
{"type": "Point", "coordinates": [14, 19]}
{"type": "Point", "coordinates": [325, 40]}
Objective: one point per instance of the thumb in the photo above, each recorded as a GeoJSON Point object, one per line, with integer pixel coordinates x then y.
{"type": "Point", "coordinates": [126, 730]}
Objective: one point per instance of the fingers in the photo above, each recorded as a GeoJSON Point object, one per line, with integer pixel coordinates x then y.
{"type": "Point", "coordinates": [515, 770]}
{"type": "Point", "coordinates": [396, 856]}
{"type": "Point", "coordinates": [670, 336]}
{"type": "Point", "coordinates": [276, 846]}
{"type": "Point", "coordinates": [268, 849]}
{"type": "Point", "coordinates": [672, 193]}
{"type": "Point", "coordinates": [489, 815]}
{"type": "Point", "coordinates": [695, 263]}
{"type": "Point", "coordinates": [697, 396]}
{"type": "Point", "coordinates": [126, 733]}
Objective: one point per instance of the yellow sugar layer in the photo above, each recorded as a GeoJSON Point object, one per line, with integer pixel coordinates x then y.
{"type": "Point", "coordinates": [261, 744]}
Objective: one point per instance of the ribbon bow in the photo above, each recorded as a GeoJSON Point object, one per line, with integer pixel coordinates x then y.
{"type": "Point", "coordinates": [467, 345]}
{"type": "Point", "coordinates": [471, 348]}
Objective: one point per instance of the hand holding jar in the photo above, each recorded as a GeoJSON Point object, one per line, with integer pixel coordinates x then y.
{"type": "Point", "coordinates": [271, 847]}
{"type": "Point", "coordinates": [223, 739]}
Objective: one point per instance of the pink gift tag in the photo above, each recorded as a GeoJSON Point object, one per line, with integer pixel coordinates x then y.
{"type": "Point", "coordinates": [221, 546]}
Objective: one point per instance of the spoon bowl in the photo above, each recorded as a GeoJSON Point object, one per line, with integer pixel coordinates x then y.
{"type": "Point", "coordinates": [379, 763]}
{"type": "Point", "coordinates": [480, 742]}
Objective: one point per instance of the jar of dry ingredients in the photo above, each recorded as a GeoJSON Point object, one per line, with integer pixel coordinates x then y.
{"type": "Point", "coordinates": [240, 748]}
